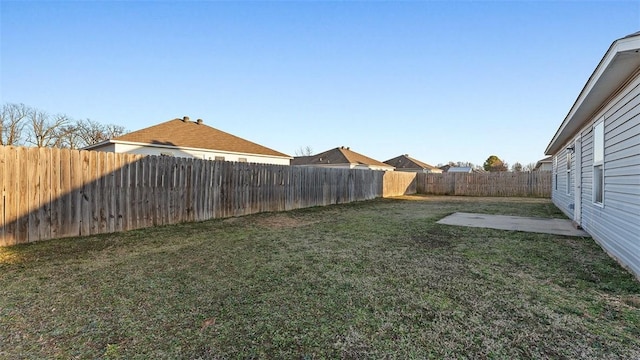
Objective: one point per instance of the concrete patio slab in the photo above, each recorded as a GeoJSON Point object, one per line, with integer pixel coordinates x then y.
{"type": "Point", "coordinates": [516, 223]}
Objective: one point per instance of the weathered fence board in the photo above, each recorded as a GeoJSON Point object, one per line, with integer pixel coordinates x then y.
{"type": "Point", "coordinates": [44, 195]}
{"type": "Point", "coordinates": [3, 171]}
{"type": "Point", "coordinates": [22, 204]}
{"type": "Point", "coordinates": [525, 184]}
{"type": "Point", "coordinates": [10, 196]}
{"type": "Point", "coordinates": [399, 183]}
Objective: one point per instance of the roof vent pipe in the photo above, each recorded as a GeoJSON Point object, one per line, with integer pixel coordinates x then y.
{"type": "Point", "coordinates": [185, 119]}
{"type": "Point", "coordinates": [199, 121]}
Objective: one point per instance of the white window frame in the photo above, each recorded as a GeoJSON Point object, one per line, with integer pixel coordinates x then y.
{"type": "Point", "coordinates": [555, 172]}
{"type": "Point", "coordinates": [598, 163]}
{"type": "Point", "coordinates": [568, 166]}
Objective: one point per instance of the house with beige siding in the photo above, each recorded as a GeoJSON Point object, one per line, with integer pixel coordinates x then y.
{"type": "Point", "coordinates": [191, 139]}
{"type": "Point", "coordinates": [596, 154]}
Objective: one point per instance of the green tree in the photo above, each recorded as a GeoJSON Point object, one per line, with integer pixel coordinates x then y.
{"type": "Point", "coordinates": [493, 163]}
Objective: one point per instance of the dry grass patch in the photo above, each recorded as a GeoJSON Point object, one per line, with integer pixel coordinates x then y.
{"type": "Point", "coordinates": [282, 220]}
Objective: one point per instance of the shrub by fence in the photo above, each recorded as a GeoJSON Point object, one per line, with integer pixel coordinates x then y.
{"type": "Point", "coordinates": [526, 184]}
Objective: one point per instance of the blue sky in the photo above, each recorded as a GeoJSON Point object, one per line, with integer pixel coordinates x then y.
{"type": "Point", "coordinates": [440, 81]}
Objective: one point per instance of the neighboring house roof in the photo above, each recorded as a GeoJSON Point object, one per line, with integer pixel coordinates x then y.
{"type": "Point", "coordinates": [407, 162]}
{"type": "Point", "coordinates": [546, 160]}
{"type": "Point", "coordinates": [183, 133]}
{"type": "Point", "coordinates": [338, 156]}
{"type": "Point", "coordinates": [460, 169]}
{"type": "Point", "coordinates": [619, 62]}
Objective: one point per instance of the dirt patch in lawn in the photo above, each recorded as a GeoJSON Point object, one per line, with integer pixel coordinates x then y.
{"type": "Point", "coordinates": [283, 221]}
{"type": "Point", "coordinates": [274, 221]}
{"type": "Point", "coordinates": [471, 199]}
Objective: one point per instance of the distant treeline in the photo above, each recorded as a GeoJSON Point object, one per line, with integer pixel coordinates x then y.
{"type": "Point", "coordinates": [22, 125]}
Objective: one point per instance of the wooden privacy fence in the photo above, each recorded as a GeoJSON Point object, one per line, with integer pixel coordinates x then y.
{"type": "Point", "coordinates": [397, 183]}
{"type": "Point", "coordinates": [53, 193]}
{"type": "Point", "coordinates": [527, 184]}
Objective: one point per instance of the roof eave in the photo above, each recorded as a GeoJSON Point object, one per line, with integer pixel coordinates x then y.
{"type": "Point", "coordinates": [111, 141]}
{"type": "Point", "coordinates": [101, 143]}
{"type": "Point", "coordinates": [602, 84]}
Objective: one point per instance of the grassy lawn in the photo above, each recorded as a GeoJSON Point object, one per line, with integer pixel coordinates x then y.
{"type": "Point", "coordinates": [377, 279]}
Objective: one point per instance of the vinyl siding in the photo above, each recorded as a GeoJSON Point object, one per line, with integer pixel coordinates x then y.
{"type": "Point", "coordinates": [561, 199]}
{"type": "Point", "coordinates": [105, 148]}
{"type": "Point", "coordinates": [193, 153]}
{"type": "Point", "coordinates": [587, 171]}
{"type": "Point", "coordinates": [545, 167]}
{"type": "Point", "coordinates": [616, 224]}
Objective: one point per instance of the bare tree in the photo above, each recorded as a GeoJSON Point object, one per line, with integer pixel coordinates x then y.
{"type": "Point", "coordinates": [65, 133]}
{"type": "Point", "coordinates": [529, 167]}
{"type": "Point", "coordinates": [516, 167]}
{"type": "Point", "coordinates": [45, 129]}
{"type": "Point", "coordinates": [304, 151]}
{"type": "Point", "coordinates": [69, 137]}
{"type": "Point", "coordinates": [12, 122]}
{"type": "Point", "coordinates": [91, 132]}
{"type": "Point", "coordinates": [113, 130]}
{"type": "Point", "coordinates": [21, 124]}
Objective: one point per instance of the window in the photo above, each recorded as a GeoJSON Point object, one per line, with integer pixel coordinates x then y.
{"type": "Point", "coordinates": [598, 180]}
{"type": "Point", "coordinates": [555, 172]}
{"type": "Point", "coordinates": [219, 158]}
{"type": "Point", "coordinates": [242, 159]}
{"type": "Point", "coordinates": [598, 163]}
{"type": "Point", "coordinates": [568, 171]}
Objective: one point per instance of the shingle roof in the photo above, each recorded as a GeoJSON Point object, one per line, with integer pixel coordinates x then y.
{"type": "Point", "coordinates": [181, 133]}
{"type": "Point", "coordinates": [407, 162]}
{"type": "Point", "coordinates": [337, 156]}
{"type": "Point", "coordinates": [548, 159]}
